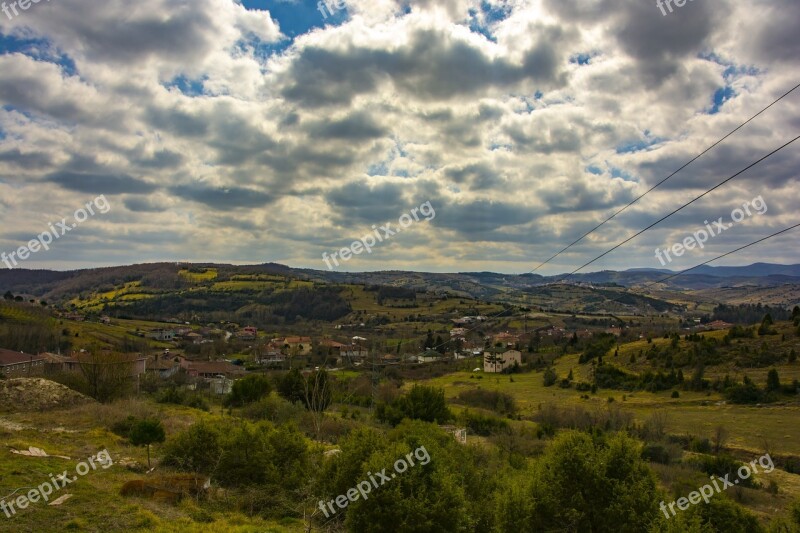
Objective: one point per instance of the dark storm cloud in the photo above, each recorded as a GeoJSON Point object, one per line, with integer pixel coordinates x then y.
{"type": "Point", "coordinates": [357, 127]}
{"type": "Point", "coordinates": [478, 176]}
{"type": "Point", "coordinates": [433, 67]}
{"type": "Point", "coordinates": [560, 140]}
{"type": "Point", "coordinates": [178, 122]}
{"type": "Point", "coordinates": [143, 205]}
{"type": "Point", "coordinates": [187, 34]}
{"type": "Point", "coordinates": [357, 203]}
{"type": "Point", "coordinates": [660, 43]}
{"type": "Point", "coordinates": [100, 183]}
{"type": "Point", "coordinates": [482, 216]}
{"type": "Point", "coordinates": [223, 197]}
{"type": "Point", "coordinates": [779, 39]}
{"type": "Point", "coordinates": [162, 159]}
{"type": "Point", "coordinates": [28, 160]}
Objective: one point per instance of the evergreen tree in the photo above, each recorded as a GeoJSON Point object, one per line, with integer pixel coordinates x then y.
{"type": "Point", "coordinates": [773, 381]}
{"type": "Point", "coordinates": [145, 433]}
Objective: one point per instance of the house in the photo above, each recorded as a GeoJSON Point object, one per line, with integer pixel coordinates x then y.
{"type": "Point", "coordinates": [500, 362]}
{"type": "Point", "coordinates": [458, 333]}
{"type": "Point", "coordinates": [221, 385]}
{"type": "Point", "coordinates": [272, 355]}
{"type": "Point", "coordinates": [248, 333]}
{"type": "Point", "coordinates": [163, 368]}
{"type": "Point", "coordinates": [77, 317]}
{"type": "Point", "coordinates": [352, 353]}
{"type": "Point", "coordinates": [105, 319]}
{"type": "Point", "coordinates": [161, 334]}
{"type": "Point", "coordinates": [506, 339]}
{"type": "Point", "coordinates": [16, 364]}
{"type": "Point", "coordinates": [296, 345]}
{"type": "Point", "coordinates": [194, 338]}
{"type": "Point", "coordinates": [390, 359]}
{"type": "Point", "coordinates": [212, 369]}
{"type": "Point", "coordinates": [137, 363]}
{"type": "Point", "coordinates": [719, 324]}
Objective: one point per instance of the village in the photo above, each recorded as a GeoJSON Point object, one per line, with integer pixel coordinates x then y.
{"type": "Point", "coordinates": [190, 354]}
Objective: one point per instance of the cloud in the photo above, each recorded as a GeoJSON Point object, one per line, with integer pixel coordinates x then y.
{"type": "Point", "coordinates": [525, 123]}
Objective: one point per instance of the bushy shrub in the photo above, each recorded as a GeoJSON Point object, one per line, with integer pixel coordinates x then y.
{"type": "Point", "coordinates": [550, 377]}
{"type": "Point", "coordinates": [248, 390]}
{"type": "Point", "coordinates": [196, 401]}
{"type": "Point", "coordinates": [656, 453]}
{"type": "Point", "coordinates": [171, 395]}
{"type": "Point", "coordinates": [483, 425]}
{"type": "Point", "coordinates": [123, 427]}
{"type": "Point", "coordinates": [722, 465]}
{"type": "Point", "coordinates": [700, 445]}
{"type": "Point", "coordinates": [197, 449]}
{"type": "Point", "coordinates": [274, 409]}
{"type": "Point", "coordinates": [421, 403]}
{"type": "Point", "coordinates": [499, 402]}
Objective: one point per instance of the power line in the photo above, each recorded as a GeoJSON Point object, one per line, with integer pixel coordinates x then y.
{"type": "Point", "coordinates": [709, 261]}
{"type": "Point", "coordinates": [748, 167]}
{"type": "Point", "coordinates": [701, 154]}
{"type": "Point", "coordinates": [680, 208]}
{"type": "Point", "coordinates": [662, 280]}
{"type": "Point", "coordinates": [653, 188]}
{"type": "Point", "coordinates": [720, 184]}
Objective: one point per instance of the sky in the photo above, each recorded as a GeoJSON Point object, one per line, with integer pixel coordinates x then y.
{"type": "Point", "coordinates": [278, 131]}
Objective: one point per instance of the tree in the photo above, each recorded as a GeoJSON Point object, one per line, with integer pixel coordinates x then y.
{"type": "Point", "coordinates": [292, 386]}
{"type": "Point", "coordinates": [106, 374]}
{"type": "Point", "coordinates": [317, 396]}
{"type": "Point", "coordinates": [198, 449]}
{"type": "Point", "coordinates": [720, 437]}
{"type": "Point", "coordinates": [765, 329]}
{"type": "Point", "coordinates": [248, 390]}
{"type": "Point", "coordinates": [581, 484]}
{"type": "Point", "coordinates": [421, 403]}
{"type": "Point", "coordinates": [8, 296]}
{"type": "Point", "coordinates": [443, 491]}
{"type": "Point", "coordinates": [773, 381]}
{"type": "Point", "coordinates": [146, 432]}
{"type": "Point", "coordinates": [550, 377]}
{"type": "Point", "coordinates": [429, 342]}
{"type": "Point", "coordinates": [441, 346]}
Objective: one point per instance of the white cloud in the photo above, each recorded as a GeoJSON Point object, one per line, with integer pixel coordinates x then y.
{"type": "Point", "coordinates": [215, 138]}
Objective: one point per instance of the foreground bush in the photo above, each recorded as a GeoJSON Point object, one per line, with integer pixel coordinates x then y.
{"type": "Point", "coordinates": [421, 403]}
{"type": "Point", "coordinates": [581, 484]}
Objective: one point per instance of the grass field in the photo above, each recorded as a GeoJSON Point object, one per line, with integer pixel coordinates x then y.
{"type": "Point", "coordinates": [96, 504]}
{"type": "Point", "coordinates": [693, 413]}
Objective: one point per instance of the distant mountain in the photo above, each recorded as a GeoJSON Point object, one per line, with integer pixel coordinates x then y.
{"type": "Point", "coordinates": [754, 270]}
{"type": "Point", "coordinates": [660, 270]}
{"type": "Point", "coordinates": [165, 278]}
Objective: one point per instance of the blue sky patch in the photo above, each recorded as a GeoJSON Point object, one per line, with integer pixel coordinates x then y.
{"type": "Point", "coordinates": [720, 97]}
